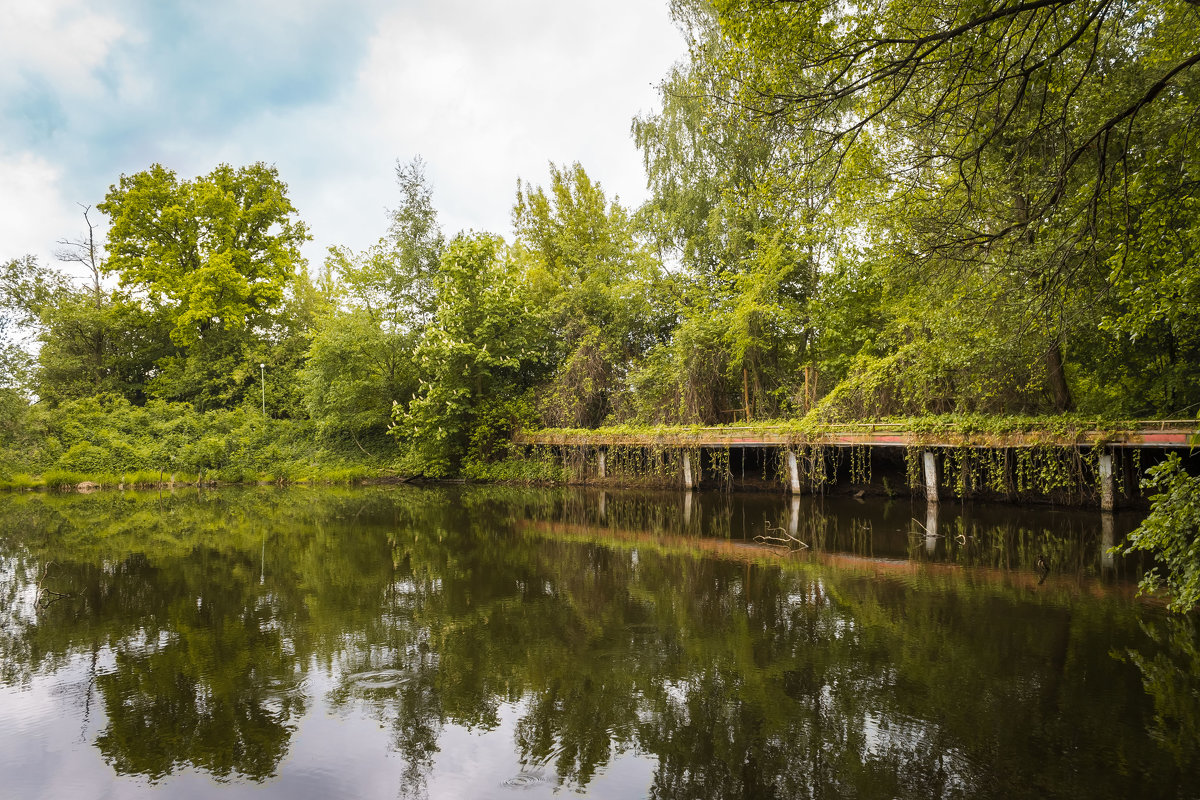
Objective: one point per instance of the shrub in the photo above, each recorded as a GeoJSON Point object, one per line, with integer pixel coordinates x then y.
{"type": "Point", "coordinates": [1172, 534]}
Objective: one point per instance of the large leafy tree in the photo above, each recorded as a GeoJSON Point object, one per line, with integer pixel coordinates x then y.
{"type": "Point", "coordinates": [1023, 152]}
{"type": "Point", "coordinates": [360, 360]}
{"type": "Point", "coordinates": [217, 255]}
{"type": "Point", "coordinates": [478, 357]}
{"type": "Point", "coordinates": [600, 287]}
{"type": "Point", "coordinates": [747, 245]}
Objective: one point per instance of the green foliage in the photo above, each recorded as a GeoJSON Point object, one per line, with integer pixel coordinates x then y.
{"type": "Point", "coordinates": [218, 255]}
{"type": "Point", "coordinates": [218, 250]}
{"type": "Point", "coordinates": [600, 290]}
{"type": "Point", "coordinates": [416, 242]}
{"type": "Point", "coordinates": [109, 441]}
{"type": "Point", "coordinates": [482, 345]}
{"type": "Point", "coordinates": [749, 252]}
{"type": "Point", "coordinates": [875, 210]}
{"type": "Point", "coordinates": [1172, 534]}
{"type": "Point", "coordinates": [360, 363]}
{"type": "Point", "coordinates": [1023, 172]}
{"type": "Point", "coordinates": [355, 371]}
{"type": "Point", "coordinates": [517, 471]}
{"type": "Point", "coordinates": [91, 348]}
{"type": "Point", "coordinates": [27, 291]}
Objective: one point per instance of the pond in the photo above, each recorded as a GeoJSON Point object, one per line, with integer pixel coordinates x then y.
{"type": "Point", "coordinates": [485, 642]}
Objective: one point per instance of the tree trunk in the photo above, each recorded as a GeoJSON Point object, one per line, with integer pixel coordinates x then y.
{"type": "Point", "coordinates": [1056, 378]}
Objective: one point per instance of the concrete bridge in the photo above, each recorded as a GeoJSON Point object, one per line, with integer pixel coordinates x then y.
{"type": "Point", "coordinates": [787, 441]}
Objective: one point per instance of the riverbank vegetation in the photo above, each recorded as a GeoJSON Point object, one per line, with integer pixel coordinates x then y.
{"type": "Point", "coordinates": [855, 213]}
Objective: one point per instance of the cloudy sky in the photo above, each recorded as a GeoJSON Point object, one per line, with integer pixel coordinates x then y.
{"type": "Point", "coordinates": [332, 92]}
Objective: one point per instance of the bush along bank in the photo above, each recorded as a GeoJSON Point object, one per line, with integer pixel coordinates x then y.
{"type": "Point", "coordinates": [106, 442]}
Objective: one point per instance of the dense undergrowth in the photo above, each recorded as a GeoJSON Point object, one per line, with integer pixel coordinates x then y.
{"type": "Point", "coordinates": [111, 442]}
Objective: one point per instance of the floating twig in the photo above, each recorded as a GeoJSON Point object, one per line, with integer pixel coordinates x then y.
{"type": "Point", "coordinates": [786, 540]}
{"type": "Point", "coordinates": [40, 590]}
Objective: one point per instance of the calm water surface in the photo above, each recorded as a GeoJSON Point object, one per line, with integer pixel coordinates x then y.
{"type": "Point", "coordinates": [494, 643]}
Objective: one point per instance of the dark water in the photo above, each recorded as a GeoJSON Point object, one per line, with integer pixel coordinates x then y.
{"type": "Point", "coordinates": [485, 642]}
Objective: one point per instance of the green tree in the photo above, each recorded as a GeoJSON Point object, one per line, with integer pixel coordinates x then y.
{"type": "Point", "coordinates": [360, 360]}
{"type": "Point", "coordinates": [749, 245]}
{"type": "Point", "coordinates": [1003, 154]}
{"type": "Point", "coordinates": [476, 359]}
{"type": "Point", "coordinates": [355, 370]}
{"type": "Point", "coordinates": [600, 288]}
{"type": "Point", "coordinates": [1172, 534]}
{"type": "Point", "coordinates": [218, 255]}
{"type": "Point", "coordinates": [417, 245]}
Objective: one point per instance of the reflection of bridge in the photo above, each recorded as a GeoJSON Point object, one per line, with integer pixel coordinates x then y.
{"type": "Point", "coordinates": [1104, 440]}
{"type": "Point", "coordinates": [1020, 580]}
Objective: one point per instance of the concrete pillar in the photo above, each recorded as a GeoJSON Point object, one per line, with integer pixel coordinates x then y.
{"type": "Point", "coordinates": [601, 464]}
{"type": "Point", "coordinates": [1108, 488]}
{"type": "Point", "coordinates": [690, 479]}
{"type": "Point", "coordinates": [687, 508]}
{"type": "Point", "coordinates": [794, 519]}
{"type": "Point", "coordinates": [1106, 541]}
{"type": "Point", "coordinates": [931, 476]}
{"type": "Point", "coordinates": [931, 525]}
{"type": "Point", "coordinates": [793, 471]}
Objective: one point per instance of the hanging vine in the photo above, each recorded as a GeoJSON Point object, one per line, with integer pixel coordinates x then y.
{"type": "Point", "coordinates": [860, 464]}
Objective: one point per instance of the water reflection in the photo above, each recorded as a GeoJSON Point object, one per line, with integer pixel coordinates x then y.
{"type": "Point", "coordinates": [599, 631]}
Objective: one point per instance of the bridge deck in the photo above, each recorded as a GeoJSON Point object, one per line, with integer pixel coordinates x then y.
{"type": "Point", "coordinates": [1153, 433]}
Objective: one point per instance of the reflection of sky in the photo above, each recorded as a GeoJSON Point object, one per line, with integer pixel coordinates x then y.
{"type": "Point", "coordinates": [47, 751]}
{"type": "Point", "coordinates": [46, 741]}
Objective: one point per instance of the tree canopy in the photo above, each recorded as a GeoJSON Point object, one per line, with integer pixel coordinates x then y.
{"type": "Point", "coordinates": [855, 211]}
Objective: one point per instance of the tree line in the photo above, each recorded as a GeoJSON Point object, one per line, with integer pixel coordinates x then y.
{"type": "Point", "coordinates": [895, 207]}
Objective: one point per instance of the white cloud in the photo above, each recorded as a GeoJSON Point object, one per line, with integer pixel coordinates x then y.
{"type": "Point", "coordinates": [490, 93]}
{"type": "Point", "coordinates": [33, 214]}
{"type": "Point", "coordinates": [60, 42]}
{"type": "Point", "coordinates": [485, 92]}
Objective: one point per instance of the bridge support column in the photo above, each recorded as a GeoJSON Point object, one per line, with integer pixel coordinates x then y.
{"type": "Point", "coordinates": [1107, 482]}
{"type": "Point", "coordinates": [1106, 541]}
{"type": "Point", "coordinates": [601, 463]}
{"type": "Point", "coordinates": [793, 471]}
{"type": "Point", "coordinates": [931, 526]}
{"type": "Point", "coordinates": [687, 509]}
{"type": "Point", "coordinates": [794, 519]}
{"type": "Point", "coordinates": [931, 476]}
{"type": "Point", "coordinates": [690, 478]}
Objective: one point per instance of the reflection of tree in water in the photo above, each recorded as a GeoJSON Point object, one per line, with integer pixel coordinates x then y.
{"type": "Point", "coordinates": [765, 679]}
{"type": "Point", "coordinates": [218, 695]}
{"type": "Point", "coordinates": [205, 675]}
{"type": "Point", "coordinates": [403, 696]}
{"type": "Point", "coordinates": [18, 598]}
{"type": "Point", "coordinates": [1171, 677]}
{"type": "Point", "coordinates": [202, 676]}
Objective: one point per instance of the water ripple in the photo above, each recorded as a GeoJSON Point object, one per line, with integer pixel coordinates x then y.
{"type": "Point", "coordinates": [378, 679]}
{"type": "Point", "coordinates": [523, 780]}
